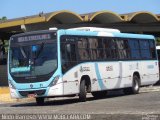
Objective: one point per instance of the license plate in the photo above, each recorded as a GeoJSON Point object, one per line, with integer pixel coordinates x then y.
{"type": "Point", "coordinates": [31, 95]}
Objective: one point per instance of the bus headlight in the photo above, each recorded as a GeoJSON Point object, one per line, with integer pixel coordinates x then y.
{"type": "Point", "coordinates": [11, 85]}
{"type": "Point", "coordinates": [55, 80]}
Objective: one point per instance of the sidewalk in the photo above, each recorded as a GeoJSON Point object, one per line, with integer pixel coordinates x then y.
{"type": "Point", "coordinates": [149, 89]}
{"type": "Point", "coordinates": [5, 95]}
{"type": "Point", "coordinates": [4, 90]}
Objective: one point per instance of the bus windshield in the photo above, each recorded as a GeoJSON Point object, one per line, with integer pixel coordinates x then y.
{"type": "Point", "coordinates": [33, 59]}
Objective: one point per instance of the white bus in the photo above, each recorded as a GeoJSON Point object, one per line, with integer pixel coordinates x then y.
{"type": "Point", "coordinates": [158, 54]}
{"type": "Point", "coordinates": [71, 62]}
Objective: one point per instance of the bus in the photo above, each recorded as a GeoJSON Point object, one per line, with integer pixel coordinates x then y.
{"type": "Point", "coordinates": [74, 62]}
{"type": "Point", "coordinates": [158, 53]}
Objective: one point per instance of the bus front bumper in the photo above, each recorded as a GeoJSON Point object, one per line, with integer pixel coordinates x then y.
{"type": "Point", "coordinates": [56, 90]}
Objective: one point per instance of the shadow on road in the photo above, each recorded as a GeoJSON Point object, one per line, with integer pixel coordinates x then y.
{"type": "Point", "coordinates": [71, 100]}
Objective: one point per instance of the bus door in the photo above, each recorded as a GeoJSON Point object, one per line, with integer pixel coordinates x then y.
{"type": "Point", "coordinates": [68, 61]}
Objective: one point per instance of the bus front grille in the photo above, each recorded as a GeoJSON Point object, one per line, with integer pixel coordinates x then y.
{"type": "Point", "coordinates": [36, 92]}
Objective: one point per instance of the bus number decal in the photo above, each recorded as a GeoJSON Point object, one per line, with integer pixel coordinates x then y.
{"type": "Point", "coordinates": [84, 69]}
{"type": "Point", "coordinates": [109, 68]}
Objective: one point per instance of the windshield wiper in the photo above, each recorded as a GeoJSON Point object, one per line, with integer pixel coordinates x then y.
{"type": "Point", "coordinates": [23, 53]}
{"type": "Point", "coordinates": [40, 50]}
{"type": "Point", "coordinates": [24, 62]}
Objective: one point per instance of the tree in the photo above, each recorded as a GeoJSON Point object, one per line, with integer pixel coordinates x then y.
{"type": "Point", "coordinates": [3, 18]}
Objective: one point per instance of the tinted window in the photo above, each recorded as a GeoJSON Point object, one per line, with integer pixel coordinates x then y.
{"type": "Point", "coordinates": [96, 47]}
{"type": "Point", "coordinates": [152, 49]}
{"type": "Point", "coordinates": [83, 49]}
{"type": "Point", "coordinates": [145, 50]}
{"type": "Point", "coordinates": [134, 48]}
{"type": "Point", "coordinates": [123, 51]}
{"type": "Point", "coordinates": [110, 48]}
{"type": "Point", "coordinates": [68, 53]}
{"type": "Point", "coordinates": [77, 49]}
{"type": "Point", "coordinates": [107, 48]}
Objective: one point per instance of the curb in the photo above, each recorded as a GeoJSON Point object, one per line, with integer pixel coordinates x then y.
{"type": "Point", "coordinates": [150, 89]}
{"type": "Point", "coordinates": [5, 95]}
{"type": "Point", "coordinates": [4, 90]}
{"type": "Point", "coordinates": [6, 98]}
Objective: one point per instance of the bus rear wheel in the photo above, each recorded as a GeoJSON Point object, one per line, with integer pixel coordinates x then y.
{"type": "Point", "coordinates": [99, 94]}
{"type": "Point", "coordinates": [83, 91]}
{"type": "Point", "coordinates": [135, 86]}
{"type": "Point", "coordinates": [40, 101]}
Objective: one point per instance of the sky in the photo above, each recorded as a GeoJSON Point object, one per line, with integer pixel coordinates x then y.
{"type": "Point", "coordinates": [21, 8]}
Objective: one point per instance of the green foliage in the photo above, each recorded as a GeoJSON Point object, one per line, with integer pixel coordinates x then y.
{"type": "Point", "coordinates": [3, 18]}
{"type": "Point", "coordinates": [5, 45]}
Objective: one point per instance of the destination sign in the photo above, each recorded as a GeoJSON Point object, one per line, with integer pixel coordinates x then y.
{"type": "Point", "coordinates": [34, 37]}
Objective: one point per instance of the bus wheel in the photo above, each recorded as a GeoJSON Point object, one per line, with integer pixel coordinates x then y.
{"type": "Point", "coordinates": [40, 101]}
{"type": "Point", "coordinates": [99, 94]}
{"type": "Point", "coordinates": [83, 91]}
{"type": "Point", "coordinates": [135, 86]}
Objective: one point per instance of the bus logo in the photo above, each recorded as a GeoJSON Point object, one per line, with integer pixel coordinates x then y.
{"type": "Point", "coordinates": [84, 69]}
{"type": "Point", "coordinates": [31, 85]}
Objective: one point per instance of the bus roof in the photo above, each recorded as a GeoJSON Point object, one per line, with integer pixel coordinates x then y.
{"type": "Point", "coordinates": [95, 29]}
{"type": "Point", "coordinates": [109, 34]}
{"type": "Point", "coordinates": [129, 35]}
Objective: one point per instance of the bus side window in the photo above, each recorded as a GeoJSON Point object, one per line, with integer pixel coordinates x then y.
{"type": "Point", "coordinates": [68, 56]}
{"type": "Point", "coordinates": [63, 56]}
{"type": "Point", "coordinates": [71, 54]}
{"type": "Point", "coordinates": [145, 50]}
{"type": "Point", "coordinates": [113, 49]}
{"type": "Point", "coordinates": [134, 48]}
{"type": "Point", "coordinates": [107, 49]}
{"type": "Point", "coordinates": [152, 49]}
{"type": "Point", "coordinates": [83, 49]}
{"type": "Point", "coordinates": [123, 50]}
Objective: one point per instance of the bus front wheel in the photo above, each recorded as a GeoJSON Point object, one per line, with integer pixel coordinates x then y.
{"type": "Point", "coordinates": [40, 101]}
{"type": "Point", "coordinates": [83, 91]}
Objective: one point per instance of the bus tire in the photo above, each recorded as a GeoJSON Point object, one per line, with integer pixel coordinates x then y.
{"type": "Point", "coordinates": [83, 91]}
{"type": "Point", "coordinates": [40, 101]}
{"type": "Point", "coordinates": [99, 94]}
{"type": "Point", "coordinates": [135, 86]}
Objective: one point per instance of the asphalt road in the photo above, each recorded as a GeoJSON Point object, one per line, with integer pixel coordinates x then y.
{"type": "Point", "coordinates": [143, 106]}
